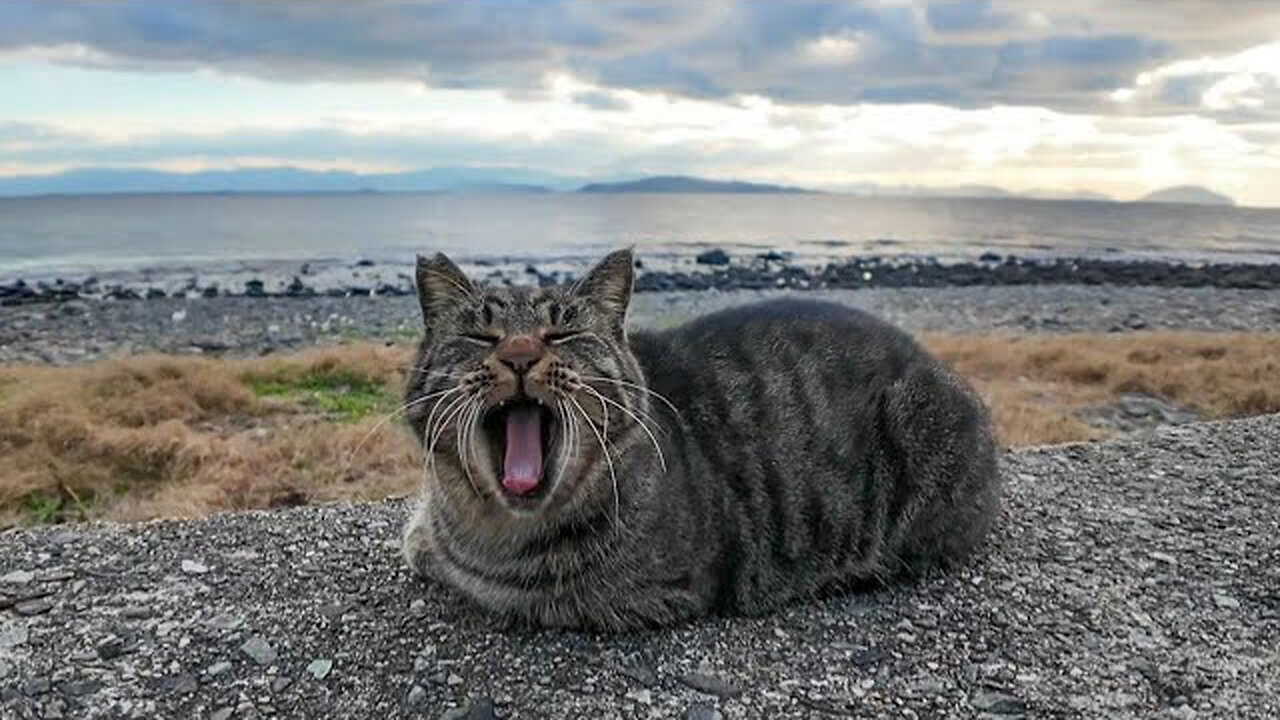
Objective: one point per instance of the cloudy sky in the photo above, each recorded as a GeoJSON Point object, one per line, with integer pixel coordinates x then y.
{"type": "Point", "coordinates": [1112, 96]}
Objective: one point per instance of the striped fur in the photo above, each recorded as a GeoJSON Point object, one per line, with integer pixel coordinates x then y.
{"type": "Point", "coordinates": [808, 448]}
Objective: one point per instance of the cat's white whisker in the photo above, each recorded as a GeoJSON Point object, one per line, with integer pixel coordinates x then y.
{"type": "Point", "coordinates": [460, 449]}
{"type": "Point", "coordinates": [392, 416]}
{"type": "Point", "coordinates": [662, 461]}
{"type": "Point", "coordinates": [455, 407]}
{"type": "Point", "coordinates": [613, 477]}
{"type": "Point", "coordinates": [633, 386]}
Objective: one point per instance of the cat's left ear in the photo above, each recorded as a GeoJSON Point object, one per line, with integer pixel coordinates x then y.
{"type": "Point", "coordinates": [608, 284]}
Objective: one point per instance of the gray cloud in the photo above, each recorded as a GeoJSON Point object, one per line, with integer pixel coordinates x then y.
{"type": "Point", "coordinates": [599, 100]}
{"type": "Point", "coordinates": [970, 54]}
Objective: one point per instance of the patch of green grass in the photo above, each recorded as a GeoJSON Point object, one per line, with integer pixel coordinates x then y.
{"type": "Point", "coordinates": [342, 394]}
{"type": "Point", "coordinates": [51, 508]}
{"type": "Point", "coordinates": [44, 509]}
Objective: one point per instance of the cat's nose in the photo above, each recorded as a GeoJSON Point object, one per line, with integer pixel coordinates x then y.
{"type": "Point", "coordinates": [520, 352]}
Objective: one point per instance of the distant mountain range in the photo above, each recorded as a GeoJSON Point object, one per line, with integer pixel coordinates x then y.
{"type": "Point", "coordinates": [287, 180]}
{"type": "Point", "coordinates": [498, 180]}
{"type": "Point", "coordinates": [1190, 194]}
{"type": "Point", "coordinates": [684, 184]}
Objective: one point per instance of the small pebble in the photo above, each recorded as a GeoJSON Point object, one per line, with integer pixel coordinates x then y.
{"type": "Point", "coordinates": [17, 577]}
{"type": "Point", "coordinates": [999, 703]}
{"type": "Point", "coordinates": [640, 674]}
{"type": "Point", "coordinates": [13, 636]}
{"type": "Point", "coordinates": [180, 684]}
{"type": "Point", "coordinates": [701, 712]}
{"type": "Point", "coordinates": [1226, 602]}
{"type": "Point", "coordinates": [223, 621]}
{"type": "Point", "coordinates": [644, 697]}
{"type": "Point", "coordinates": [417, 696]}
{"type": "Point", "coordinates": [259, 650]}
{"type": "Point", "coordinates": [191, 567]}
{"type": "Point", "coordinates": [33, 607]}
{"type": "Point", "coordinates": [710, 684]}
{"type": "Point", "coordinates": [111, 648]}
{"type": "Point", "coordinates": [320, 669]}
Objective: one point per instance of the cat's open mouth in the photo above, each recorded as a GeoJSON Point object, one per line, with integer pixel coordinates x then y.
{"type": "Point", "coordinates": [521, 432]}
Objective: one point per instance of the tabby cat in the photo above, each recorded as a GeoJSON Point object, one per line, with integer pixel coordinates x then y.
{"type": "Point", "coordinates": [580, 475]}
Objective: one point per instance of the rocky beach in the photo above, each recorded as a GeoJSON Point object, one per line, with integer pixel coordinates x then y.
{"type": "Point", "coordinates": [70, 322]}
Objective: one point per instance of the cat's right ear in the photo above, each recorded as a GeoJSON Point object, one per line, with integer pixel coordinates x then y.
{"type": "Point", "coordinates": [440, 285]}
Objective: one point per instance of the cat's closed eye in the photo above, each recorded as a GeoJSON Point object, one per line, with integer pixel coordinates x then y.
{"type": "Point", "coordinates": [561, 336]}
{"type": "Point", "coordinates": [486, 339]}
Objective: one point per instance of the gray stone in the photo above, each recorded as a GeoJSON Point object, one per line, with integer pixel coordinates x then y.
{"type": "Point", "coordinates": [12, 636]}
{"type": "Point", "coordinates": [320, 669]}
{"type": "Point", "coordinates": [111, 648]}
{"type": "Point", "coordinates": [259, 650]}
{"type": "Point", "coordinates": [417, 696]}
{"type": "Point", "coordinates": [17, 577]}
{"type": "Point", "coordinates": [641, 674]}
{"type": "Point", "coordinates": [710, 684]}
{"type": "Point", "coordinates": [1225, 601]}
{"type": "Point", "coordinates": [54, 576]}
{"type": "Point", "coordinates": [999, 703]}
{"type": "Point", "coordinates": [281, 683]}
{"type": "Point", "coordinates": [224, 621]}
{"type": "Point", "coordinates": [29, 608]}
{"type": "Point", "coordinates": [480, 709]}
{"type": "Point", "coordinates": [193, 567]}
{"type": "Point", "coordinates": [700, 711]}
{"type": "Point", "coordinates": [217, 668]}
{"type": "Point", "coordinates": [221, 713]}
{"type": "Point", "coordinates": [644, 697]}
{"type": "Point", "coordinates": [180, 684]}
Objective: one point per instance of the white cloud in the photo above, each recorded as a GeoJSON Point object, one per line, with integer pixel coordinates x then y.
{"type": "Point", "coordinates": [1248, 80]}
{"type": "Point", "coordinates": [829, 50]}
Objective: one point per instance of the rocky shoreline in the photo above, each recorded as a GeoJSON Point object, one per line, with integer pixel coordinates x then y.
{"type": "Point", "coordinates": [80, 331]}
{"type": "Point", "coordinates": [715, 269]}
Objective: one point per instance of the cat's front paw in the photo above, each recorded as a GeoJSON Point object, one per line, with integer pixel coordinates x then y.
{"type": "Point", "coordinates": [415, 544]}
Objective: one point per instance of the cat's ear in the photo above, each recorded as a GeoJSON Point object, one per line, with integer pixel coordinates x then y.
{"type": "Point", "coordinates": [440, 285]}
{"type": "Point", "coordinates": [608, 284]}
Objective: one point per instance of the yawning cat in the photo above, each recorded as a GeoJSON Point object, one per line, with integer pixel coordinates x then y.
{"type": "Point", "coordinates": [582, 475]}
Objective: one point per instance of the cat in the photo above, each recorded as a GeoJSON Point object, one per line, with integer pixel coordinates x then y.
{"type": "Point", "coordinates": [585, 476]}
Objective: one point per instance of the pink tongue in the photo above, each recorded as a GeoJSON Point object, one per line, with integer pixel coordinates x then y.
{"type": "Point", "coordinates": [522, 469]}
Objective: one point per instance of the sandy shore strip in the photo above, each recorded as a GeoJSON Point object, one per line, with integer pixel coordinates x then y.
{"type": "Point", "coordinates": [1135, 578]}
{"type": "Point", "coordinates": [78, 331]}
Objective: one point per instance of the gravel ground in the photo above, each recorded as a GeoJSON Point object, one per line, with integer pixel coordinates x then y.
{"type": "Point", "coordinates": [84, 330]}
{"type": "Point", "coordinates": [1134, 578]}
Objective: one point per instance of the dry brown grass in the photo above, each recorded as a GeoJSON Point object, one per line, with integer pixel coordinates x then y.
{"type": "Point", "coordinates": [1034, 383]}
{"type": "Point", "coordinates": [156, 436]}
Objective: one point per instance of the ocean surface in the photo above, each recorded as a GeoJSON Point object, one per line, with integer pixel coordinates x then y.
{"type": "Point", "coordinates": [166, 240]}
